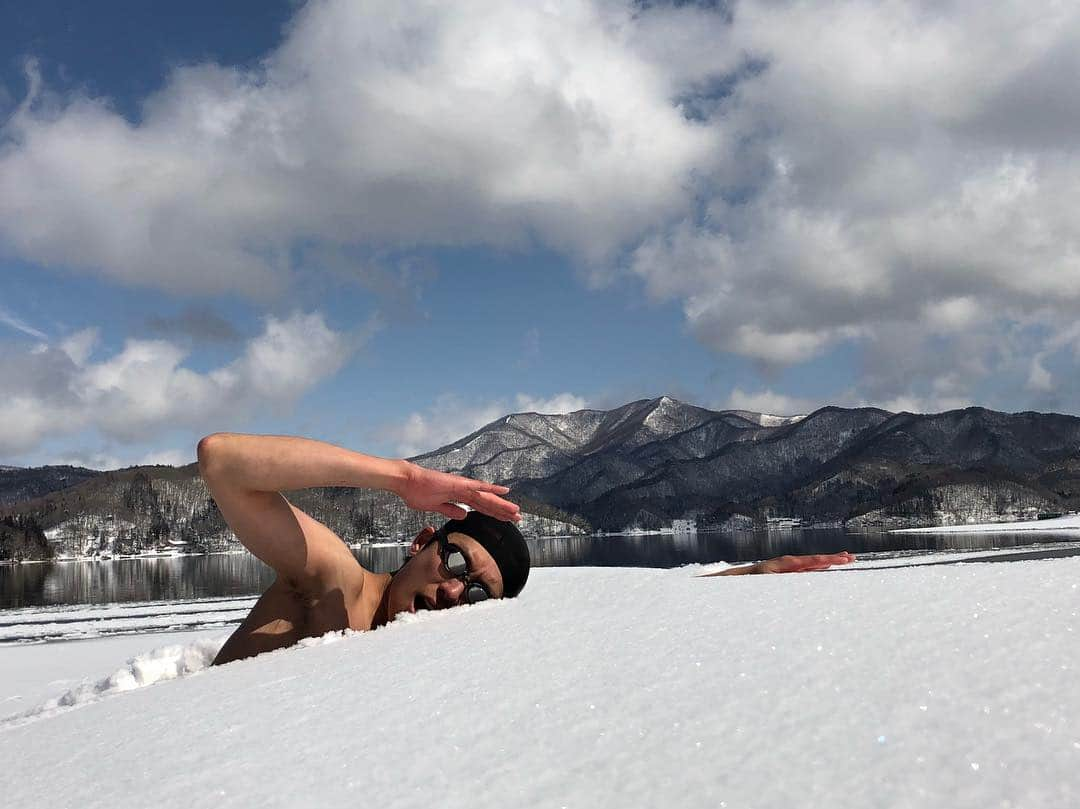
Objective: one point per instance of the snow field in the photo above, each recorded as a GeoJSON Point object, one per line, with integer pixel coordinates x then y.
{"type": "Point", "coordinates": [923, 686]}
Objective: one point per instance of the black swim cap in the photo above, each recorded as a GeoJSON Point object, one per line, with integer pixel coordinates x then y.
{"type": "Point", "coordinates": [503, 541]}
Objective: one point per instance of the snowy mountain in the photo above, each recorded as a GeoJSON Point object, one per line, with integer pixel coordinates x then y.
{"type": "Point", "coordinates": [654, 460]}
{"type": "Point", "coordinates": [531, 445]}
{"type": "Point", "coordinates": [644, 463]}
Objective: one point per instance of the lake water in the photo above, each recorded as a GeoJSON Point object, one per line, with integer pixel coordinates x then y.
{"type": "Point", "coordinates": [240, 574]}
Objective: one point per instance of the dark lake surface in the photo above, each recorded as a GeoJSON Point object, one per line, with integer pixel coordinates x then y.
{"type": "Point", "coordinates": [240, 574]}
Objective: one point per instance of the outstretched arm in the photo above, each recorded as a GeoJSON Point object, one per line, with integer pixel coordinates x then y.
{"type": "Point", "coordinates": [247, 473]}
{"type": "Point", "coordinates": [274, 463]}
{"type": "Point", "coordinates": [790, 564]}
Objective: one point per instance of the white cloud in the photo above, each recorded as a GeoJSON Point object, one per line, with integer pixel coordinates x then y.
{"type": "Point", "coordinates": [886, 169]}
{"type": "Point", "coordinates": [918, 404]}
{"type": "Point", "coordinates": [559, 403]}
{"type": "Point", "coordinates": [381, 123]}
{"type": "Point", "coordinates": [452, 417]}
{"type": "Point", "coordinates": [1040, 379]}
{"type": "Point", "coordinates": [768, 401]}
{"type": "Point", "coordinates": [104, 460]}
{"type": "Point", "coordinates": [797, 176]}
{"type": "Point", "coordinates": [144, 388]}
{"type": "Point", "coordinates": [780, 347]}
{"type": "Point", "coordinates": [901, 404]}
{"type": "Point", "coordinates": [952, 314]}
{"type": "Point", "coordinates": [1065, 337]}
{"type": "Point", "coordinates": [80, 345]}
{"type": "Point", "coordinates": [101, 461]}
{"type": "Point", "coordinates": [167, 457]}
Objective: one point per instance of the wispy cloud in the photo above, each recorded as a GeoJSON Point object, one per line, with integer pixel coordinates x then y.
{"type": "Point", "coordinates": [8, 319]}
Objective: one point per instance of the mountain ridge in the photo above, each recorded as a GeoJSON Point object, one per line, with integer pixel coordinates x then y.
{"type": "Point", "coordinates": [642, 464]}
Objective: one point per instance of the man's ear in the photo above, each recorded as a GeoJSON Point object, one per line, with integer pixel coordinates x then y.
{"type": "Point", "coordinates": [427, 533]}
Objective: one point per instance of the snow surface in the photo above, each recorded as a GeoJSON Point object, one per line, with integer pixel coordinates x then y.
{"type": "Point", "coordinates": [949, 685]}
{"type": "Point", "coordinates": [1070, 522]}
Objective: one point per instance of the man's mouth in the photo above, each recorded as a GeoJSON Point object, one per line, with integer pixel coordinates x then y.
{"type": "Point", "coordinates": [419, 603]}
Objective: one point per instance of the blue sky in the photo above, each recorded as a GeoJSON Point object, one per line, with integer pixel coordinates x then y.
{"type": "Point", "coordinates": [385, 224]}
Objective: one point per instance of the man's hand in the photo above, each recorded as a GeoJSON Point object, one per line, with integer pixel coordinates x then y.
{"type": "Point", "coordinates": [790, 564]}
{"type": "Point", "coordinates": [804, 564]}
{"type": "Point", "coordinates": [428, 490]}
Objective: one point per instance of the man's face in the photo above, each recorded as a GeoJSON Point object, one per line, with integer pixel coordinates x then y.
{"type": "Point", "coordinates": [424, 583]}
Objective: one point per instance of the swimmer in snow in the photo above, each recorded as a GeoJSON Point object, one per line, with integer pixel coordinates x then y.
{"type": "Point", "coordinates": [320, 586]}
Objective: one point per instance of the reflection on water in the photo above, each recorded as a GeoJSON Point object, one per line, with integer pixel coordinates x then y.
{"type": "Point", "coordinates": [150, 579]}
{"type": "Point", "coordinates": [171, 578]}
{"type": "Point", "coordinates": [668, 550]}
{"type": "Point", "coordinates": [240, 574]}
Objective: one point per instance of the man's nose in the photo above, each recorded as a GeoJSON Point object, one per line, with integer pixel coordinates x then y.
{"type": "Point", "coordinates": [451, 590]}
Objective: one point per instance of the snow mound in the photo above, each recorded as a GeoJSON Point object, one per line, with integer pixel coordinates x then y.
{"type": "Point", "coordinates": [158, 665]}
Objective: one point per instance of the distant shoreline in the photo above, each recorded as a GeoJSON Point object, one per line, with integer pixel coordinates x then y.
{"type": "Point", "coordinates": [1070, 522]}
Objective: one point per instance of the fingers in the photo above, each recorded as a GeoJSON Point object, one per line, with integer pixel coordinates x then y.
{"type": "Point", "coordinates": [467, 487]}
{"type": "Point", "coordinates": [454, 512]}
{"type": "Point", "coordinates": [823, 561]}
{"type": "Point", "coordinates": [484, 497]}
{"type": "Point", "coordinates": [507, 512]}
{"type": "Point", "coordinates": [481, 485]}
{"type": "Point", "coordinates": [484, 486]}
{"type": "Point", "coordinates": [495, 506]}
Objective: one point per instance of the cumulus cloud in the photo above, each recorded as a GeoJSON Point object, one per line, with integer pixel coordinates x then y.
{"type": "Point", "coordinates": [899, 177]}
{"type": "Point", "coordinates": [888, 170]}
{"type": "Point", "coordinates": [383, 123]}
{"type": "Point", "coordinates": [452, 417]}
{"type": "Point", "coordinates": [144, 388]}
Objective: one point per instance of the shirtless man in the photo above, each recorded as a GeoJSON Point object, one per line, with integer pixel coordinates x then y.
{"type": "Point", "coordinates": [320, 587]}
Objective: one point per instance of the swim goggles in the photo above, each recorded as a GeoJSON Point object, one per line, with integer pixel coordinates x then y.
{"type": "Point", "coordinates": [457, 566]}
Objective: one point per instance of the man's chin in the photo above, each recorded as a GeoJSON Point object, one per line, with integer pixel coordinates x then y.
{"type": "Point", "coordinates": [412, 607]}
